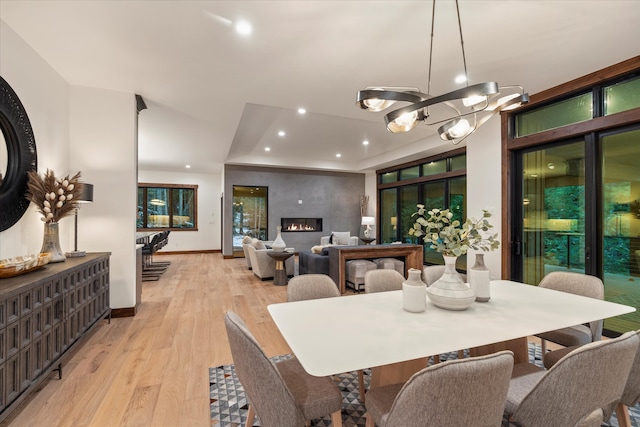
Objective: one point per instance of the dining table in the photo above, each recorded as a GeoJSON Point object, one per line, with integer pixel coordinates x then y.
{"type": "Point", "coordinates": [349, 333]}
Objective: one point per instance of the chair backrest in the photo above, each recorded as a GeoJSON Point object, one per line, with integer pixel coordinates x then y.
{"type": "Point", "coordinates": [265, 387]}
{"type": "Point", "coordinates": [311, 286]}
{"type": "Point", "coordinates": [469, 392]}
{"type": "Point", "coordinates": [432, 273]}
{"type": "Point", "coordinates": [587, 379]}
{"type": "Point", "coordinates": [578, 284]}
{"type": "Point", "coordinates": [382, 281]}
{"type": "Point", "coordinates": [631, 393]}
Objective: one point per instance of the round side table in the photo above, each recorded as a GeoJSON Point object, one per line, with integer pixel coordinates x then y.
{"type": "Point", "coordinates": [367, 240]}
{"type": "Point", "coordinates": [280, 275]}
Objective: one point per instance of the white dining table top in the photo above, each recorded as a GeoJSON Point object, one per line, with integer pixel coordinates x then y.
{"type": "Point", "coordinates": [342, 334]}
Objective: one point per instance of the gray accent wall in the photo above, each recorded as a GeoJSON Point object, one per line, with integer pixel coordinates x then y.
{"type": "Point", "coordinates": [332, 196]}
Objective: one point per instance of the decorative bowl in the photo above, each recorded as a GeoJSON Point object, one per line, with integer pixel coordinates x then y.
{"type": "Point", "coordinates": [11, 267]}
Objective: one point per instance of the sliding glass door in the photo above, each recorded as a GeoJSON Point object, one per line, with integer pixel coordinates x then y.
{"type": "Point", "coordinates": [249, 215]}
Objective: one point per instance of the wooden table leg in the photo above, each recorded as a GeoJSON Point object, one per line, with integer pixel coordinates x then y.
{"type": "Point", "coordinates": [518, 346]}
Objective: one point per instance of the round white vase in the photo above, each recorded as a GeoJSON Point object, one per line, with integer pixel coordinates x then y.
{"type": "Point", "coordinates": [278, 244]}
{"type": "Point", "coordinates": [414, 292]}
{"type": "Point", "coordinates": [449, 291]}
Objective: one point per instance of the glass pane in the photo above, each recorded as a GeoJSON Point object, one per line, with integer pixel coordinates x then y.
{"type": "Point", "coordinates": [433, 168]}
{"type": "Point", "coordinates": [408, 202]}
{"type": "Point", "coordinates": [388, 216]}
{"type": "Point", "coordinates": [433, 196]}
{"type": "Point", "coordinates": [459, 162]}
{"type": "Point", "coordinates": [621, 225]}
{"type": "Point", "coordinates": [389, 177]}
{"type": "Point", "coordinates": [554, 211]}
{"type": "Point", "coordinates": [249, 214]}
{"type": "Point", "coordinates": [157, 207]}
{"type": "Point", "coordinates": [183, 208]}
{"type": "Point", "coordinates": [457, 198]}
{"type": "Point", "coordinates": [573, 110]}
{"type": "Point", "coordinates": [140, 214]}
{"type": "Point", "coordinates": [622, 96]}
{"type": "Point", "coordinates": [410, 173]}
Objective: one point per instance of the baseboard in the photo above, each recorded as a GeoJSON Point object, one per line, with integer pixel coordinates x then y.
{"type": "Point", "coordinates": [123, 312]}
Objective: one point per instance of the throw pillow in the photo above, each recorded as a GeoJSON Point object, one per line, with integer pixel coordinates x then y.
{"type": "Point", "coordinates": [317, 249]}
{"type": "Point", "coordinates": [246, 240]}
{"type": "Point", "coordinates": [341, 237]}
{"type": "Point", "coordinates": [258, 244]}
{"type": "Point", "coordinates": [331, 240]}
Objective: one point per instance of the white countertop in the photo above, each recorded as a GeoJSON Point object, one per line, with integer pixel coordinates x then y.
{"type": "Point", "coordinates": [334, 335]}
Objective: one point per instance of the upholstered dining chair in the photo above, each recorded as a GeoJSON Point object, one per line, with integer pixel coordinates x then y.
{"type": "Point", "coordinates": [576, 389]}
{"type": "Point", "coordinates": [579, 284]}
{"type": "Point", "coordinates": [432, 273]}
{"type": "Point", "coordinates": [311, 286]}
{"type": "Point", "coordinates": [382, 281]}
{"type": "Point", "coordinates": [282, 394]}
{"type": "Point", "coordinates": [630, 395]}
{"type": "Point", "coordinates": [467, 392]}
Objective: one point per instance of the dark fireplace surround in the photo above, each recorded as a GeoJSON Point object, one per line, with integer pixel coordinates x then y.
{"type": "Point", "coordinates": [297, 225]}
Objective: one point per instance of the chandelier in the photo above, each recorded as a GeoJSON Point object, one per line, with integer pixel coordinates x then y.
{"type": "Point", "coordinates": [460, 112]}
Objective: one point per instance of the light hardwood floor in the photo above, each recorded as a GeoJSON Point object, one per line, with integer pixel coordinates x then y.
{"type": "Point", "coordinates": [152, 369]}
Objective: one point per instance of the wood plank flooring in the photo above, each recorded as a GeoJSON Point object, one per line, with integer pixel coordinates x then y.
{"type": "Point", "coordinates": [152, 369]}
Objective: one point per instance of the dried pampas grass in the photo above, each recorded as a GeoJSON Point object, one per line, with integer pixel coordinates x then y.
{"type": "Point", "coordinates": [55, 198]}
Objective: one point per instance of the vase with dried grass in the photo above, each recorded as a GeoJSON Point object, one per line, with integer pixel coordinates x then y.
{"type": "Point", "coordinates": [55, 198]}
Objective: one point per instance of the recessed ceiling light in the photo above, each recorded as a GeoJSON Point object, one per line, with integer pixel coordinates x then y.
{"type": "Point", "coordinates": [338, 155]}
{"type": "Point", "coordinates": [301, 111]}
{"type": "Point", "coordinates": [461, 78]}
{"type": "Point", "coordinates": [365, 142]}
{"type": "Point", "coordinates": [243, 28]}
{"type": "Point", "coordinates": [281, 133]}
{"type": "Point", "coordinates": [188, 166]}
{"type": "Point", "coordinates": [267, 148]}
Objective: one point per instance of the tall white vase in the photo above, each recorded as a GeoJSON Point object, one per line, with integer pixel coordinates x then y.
{"type": "Point", "coordinates": [479, 278]}
{"type": "Point", "coordinates": [278, 244]}
{"type": "Point", "coordinates": [414, 292]}
{"type": "Point", "coordinates": [449, 291]}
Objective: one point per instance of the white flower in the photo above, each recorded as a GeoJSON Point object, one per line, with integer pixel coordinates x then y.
{"type": "Point", "coordinates": [59, 204]}
{"type": "Point", "coordinates": [60, 191]}
{"type": "Point", "coordinates": [63, 198]}
{"type": "Point", "coordinates": [70, 187]}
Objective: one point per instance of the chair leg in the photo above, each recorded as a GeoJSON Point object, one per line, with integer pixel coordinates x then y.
{"type": "Point", "coordinates": [460, 354]}
{"type": "Point", "coordinates": [436, 358]}
{"type": "Point", "coordinates": [622, 412]}
{"type": "Point", "coordinates": [543, 346]}
{"type": "Point", "coordinates": [369, 421]}
{"type": "Point", "coordinates": [336, 419]}
{"type": "Point", "coordinates": [251, 414]}
{"type": "Point", "coordinates": [361, 385]}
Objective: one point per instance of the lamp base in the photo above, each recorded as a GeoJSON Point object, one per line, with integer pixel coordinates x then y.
{"type": "Point", "coordinates": [75, 254]}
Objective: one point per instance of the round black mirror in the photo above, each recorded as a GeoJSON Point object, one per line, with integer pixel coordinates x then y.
{"type": "Point", "coordinates": [17, 156]}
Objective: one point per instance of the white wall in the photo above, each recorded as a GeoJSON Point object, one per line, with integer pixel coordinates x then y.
{"type": "Point", "coordinates": [484, 184]}
{"type": "Point", "coordinates": [208, 236]}
{"type": "Point", "coordinates": [45, 97]}
{"type": "Point", "coordinates": [103, 147]}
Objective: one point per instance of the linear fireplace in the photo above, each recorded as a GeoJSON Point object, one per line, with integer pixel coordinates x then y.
{"type": "Point", "coordinates": [301, 224]}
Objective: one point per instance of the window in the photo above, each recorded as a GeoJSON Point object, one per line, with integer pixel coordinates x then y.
{"type": "Point", "coordinates": [167, 206]}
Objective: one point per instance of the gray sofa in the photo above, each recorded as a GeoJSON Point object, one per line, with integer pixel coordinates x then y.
{"type": "Point", "coordinates": [310, 263]}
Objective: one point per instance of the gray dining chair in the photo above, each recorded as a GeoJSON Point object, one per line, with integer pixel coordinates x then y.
{"type": "Point", "coordinates": [630, 395]}
{"type": "Point", "coordinates": [382, 281]}
{"type": "Point", "coordinates": [282, 394]}
{"type": "Point", "coordinates": [578, 284]}
{"type": "Point", "coordinates": [467, 392]}
{"type": "Point", "coordinates": [311, 286]}
{"type": "Point", "coordinates": [576, 389]}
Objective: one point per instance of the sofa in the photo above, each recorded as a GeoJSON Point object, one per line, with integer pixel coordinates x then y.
{"type": "Point", "coordinates": [313, 263]}
{"type": "Point", "coordinates": [264, 266]}
{"type": "Point", "coordinates": [339, 238]}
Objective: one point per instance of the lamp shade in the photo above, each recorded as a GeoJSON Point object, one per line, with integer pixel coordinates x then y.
{"type": "Point", "coordinates": [368, 220]}
{"type": "Point", "coordinates": [86, 196]}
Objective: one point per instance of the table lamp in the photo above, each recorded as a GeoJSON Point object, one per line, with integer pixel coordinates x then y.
{"type": "Point", "coordinates": [368, 221]}
{"type": "Point", "coordinates": [86, 196]}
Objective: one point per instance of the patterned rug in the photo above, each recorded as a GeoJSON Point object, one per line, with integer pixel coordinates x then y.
{"type": "Point", "coordinates": [229, 404]}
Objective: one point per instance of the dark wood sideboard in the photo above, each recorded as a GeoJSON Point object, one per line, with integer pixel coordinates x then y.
{"type": "Point", "coordinates": [44, 316]}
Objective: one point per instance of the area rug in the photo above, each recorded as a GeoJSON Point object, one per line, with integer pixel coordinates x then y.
{"type": "Point", "coordinates": [229, 404]}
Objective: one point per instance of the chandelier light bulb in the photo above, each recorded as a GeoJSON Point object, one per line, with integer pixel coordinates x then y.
{"type": "Point", "coordinates": [375, 104]}
{"type": "Point", "coordinates": [404, 123]}
{"type": "Point", "coordinates": [474, 100]}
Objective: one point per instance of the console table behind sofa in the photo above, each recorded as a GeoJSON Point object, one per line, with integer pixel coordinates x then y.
{"type": "Point", "coordinates": [44, 316]}
{"type": "Point", "coordinates": [338, 255]}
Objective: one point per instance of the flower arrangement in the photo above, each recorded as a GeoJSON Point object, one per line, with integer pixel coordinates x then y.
{"type": "Point", "coordinates": [55, 198]}
{"type": "Point", "coordinates": [451, 238]}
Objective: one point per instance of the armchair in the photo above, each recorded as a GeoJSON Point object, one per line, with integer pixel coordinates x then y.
{"type": "Point", "coordinates": [264, 266]}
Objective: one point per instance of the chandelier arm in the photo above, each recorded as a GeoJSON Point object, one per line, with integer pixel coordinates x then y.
{"type": "Point", "coordinates": [488, 88]}
{"type": "Point", "coordinates": [388, 95]}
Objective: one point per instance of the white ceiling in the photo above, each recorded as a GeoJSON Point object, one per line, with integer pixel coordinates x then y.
{"type": "Point", "coordinates": [216, 97]}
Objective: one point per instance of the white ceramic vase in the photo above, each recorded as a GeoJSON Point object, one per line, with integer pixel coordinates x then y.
{"type": "Point", "coordinates": [479, 279]}
{"type": "Point", "coordinates": [278, 244]}
{"type": "Point", "coordinates": [449, 291]}
{"type": "Point", "coordinates": [414, 292]}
